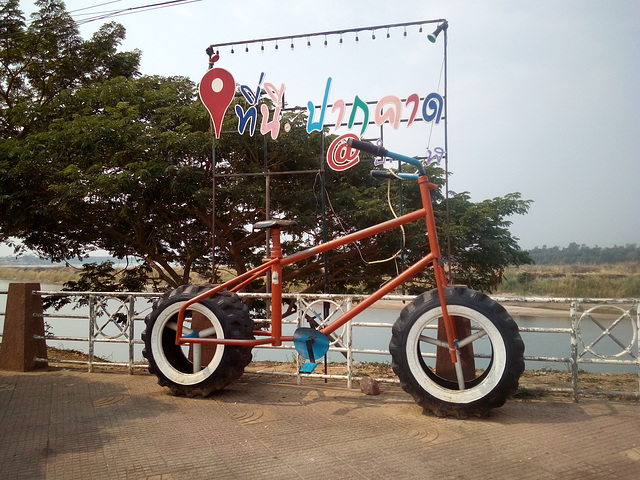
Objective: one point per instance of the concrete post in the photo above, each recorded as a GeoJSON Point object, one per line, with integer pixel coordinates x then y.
{"type": "Point", "coordinates": [19, 348]}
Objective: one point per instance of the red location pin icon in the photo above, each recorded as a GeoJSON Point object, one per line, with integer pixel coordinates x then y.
{"type": "Point", "coordinates": [217, 89]}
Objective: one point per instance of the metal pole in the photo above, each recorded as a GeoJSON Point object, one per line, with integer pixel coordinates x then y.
{"type": "Point", "coordinates": [267, 232]}
{"type": "Point", "coordinates": [325, 234]}
{"type": "Point", "coordinates": [446, 157]}
{"type": "Point", "coordinates": [574, 349]}
{"type": "Point", "coordinates": [213, 206]}
{"type": "Point", "coordinates": [325, 237]}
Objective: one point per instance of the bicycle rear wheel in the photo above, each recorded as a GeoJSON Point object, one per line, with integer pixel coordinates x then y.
{"type": "Point", "coordinates": [197, 369]}
{"type": "Point", "coordinates": [498, 353]}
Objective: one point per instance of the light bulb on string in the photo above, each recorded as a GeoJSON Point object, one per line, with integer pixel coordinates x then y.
{"type": "Point", "coordinates": [388, 34]}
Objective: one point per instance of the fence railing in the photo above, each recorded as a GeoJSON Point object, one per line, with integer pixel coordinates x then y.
{"type": "Point", "coordinates": [114, 318]}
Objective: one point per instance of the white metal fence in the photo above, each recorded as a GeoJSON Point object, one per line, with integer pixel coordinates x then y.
{"type": "Point", "coordinates": [117, 318]}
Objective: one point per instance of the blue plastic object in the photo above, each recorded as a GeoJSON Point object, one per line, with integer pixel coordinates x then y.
{"type": "Point", "coordinates": [308, 367]}
{"type": "Point", "coordinates": [310, 343]}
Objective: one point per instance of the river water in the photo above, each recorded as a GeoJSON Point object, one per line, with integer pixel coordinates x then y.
{"type": "Point", "coordinates": [537, 344]}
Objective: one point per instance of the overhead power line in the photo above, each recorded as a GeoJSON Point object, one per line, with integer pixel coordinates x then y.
{"type": "Point", "coordinates": [88, 14]}
{"type": "Point", "coordinates": [96, 16]}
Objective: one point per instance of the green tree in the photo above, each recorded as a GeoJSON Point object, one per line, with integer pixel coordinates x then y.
{"type": "Point", "coordinates": [39, 62]}
{"type": "Point", "coordinates": [481, 244]}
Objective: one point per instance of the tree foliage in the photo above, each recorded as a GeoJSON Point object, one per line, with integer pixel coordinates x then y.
{"type": "Point", "coordinates": [94, 157]}
{"type": "Point", "coordinates": [48, 57]}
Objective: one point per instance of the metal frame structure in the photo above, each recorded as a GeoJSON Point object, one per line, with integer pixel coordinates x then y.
{"type": "Point", "coordinates": [442, 26]}
{"type": "Point", "coordinates": [272, 268]}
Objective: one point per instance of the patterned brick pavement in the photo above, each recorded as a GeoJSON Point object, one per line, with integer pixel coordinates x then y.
{"type": "Point", "coordinates": [65, 424]}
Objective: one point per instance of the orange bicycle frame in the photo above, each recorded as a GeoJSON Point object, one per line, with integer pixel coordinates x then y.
{"type": "Point", "coordinates": [276, 262]}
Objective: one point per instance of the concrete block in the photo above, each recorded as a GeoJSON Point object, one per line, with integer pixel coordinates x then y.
{"type": "Point", "coordinates": [19, 348]}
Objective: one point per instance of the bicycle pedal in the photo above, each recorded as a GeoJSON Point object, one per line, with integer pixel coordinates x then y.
{"type": "Point", "coordinates": [308, 367]}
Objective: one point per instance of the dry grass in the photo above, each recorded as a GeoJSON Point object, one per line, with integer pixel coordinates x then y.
{"type": "Point", "coordinates": [621, 280]}
{"type": "Point", "coordinates": [580, 269]}
{"type": "Point", "coordinates": [47, 275]}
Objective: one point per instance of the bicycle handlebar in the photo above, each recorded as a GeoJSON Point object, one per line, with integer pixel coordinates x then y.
{"type": "Point", "coordinates": [383, 152]}
{"type": "Point", "coordinates": [376, 150]}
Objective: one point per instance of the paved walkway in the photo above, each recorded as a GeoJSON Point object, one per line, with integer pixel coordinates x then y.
{"type": "Point", "coordinates": [65, 424]}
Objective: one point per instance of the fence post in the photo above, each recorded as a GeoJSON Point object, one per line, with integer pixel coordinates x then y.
{"type": "Point", "coordinates": [637, 305]}
{"type": "Point", "coordinates": [349, 338]}
{"type": "Point", "coordinates": [92, 323]}
{"type": "Point", "coordinates": [300, 319]}
{"type": "Point", "coordinates": [574, 349]}
{"type": "Point", "coordinates": [130, 321]}
{"type": "Point", "coordinates": [23, 319]}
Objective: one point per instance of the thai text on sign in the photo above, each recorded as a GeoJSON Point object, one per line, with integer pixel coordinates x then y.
{"type": "Point", "coordinates": [217, 90]}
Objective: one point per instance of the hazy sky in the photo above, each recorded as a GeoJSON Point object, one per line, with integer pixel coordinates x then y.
{"type": "Point", "coordinates": [544, 96]}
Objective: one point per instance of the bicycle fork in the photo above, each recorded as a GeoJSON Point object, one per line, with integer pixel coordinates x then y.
{"type": "Point", "coordinates": [441, 281]}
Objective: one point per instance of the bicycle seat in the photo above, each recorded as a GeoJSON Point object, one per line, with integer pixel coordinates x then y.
{"type": "Point", "coordinates": [274, 223]}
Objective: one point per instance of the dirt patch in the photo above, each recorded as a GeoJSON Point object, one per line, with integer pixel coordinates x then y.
{"type": "Point", "coordinates": [70, 355]}
{"type": "Point", "coordinates": [626, 382]}
{"type": "Point", "coordinates": [360, 369]}
{"type": "Point", "coordinates": [617, 382]}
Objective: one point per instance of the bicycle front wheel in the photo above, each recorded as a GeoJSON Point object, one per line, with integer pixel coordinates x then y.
{"type": "Point", "coordinates": [491, 336]}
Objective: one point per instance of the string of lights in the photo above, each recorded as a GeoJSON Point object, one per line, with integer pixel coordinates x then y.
{"type": "Point", "coordinates": [290, 39]}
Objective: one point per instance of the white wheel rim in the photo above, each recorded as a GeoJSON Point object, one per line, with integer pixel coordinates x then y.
{"type": "Point", "coordinates": [168, 370]}
{"type": "Point", "coordinates": [456, 396]}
